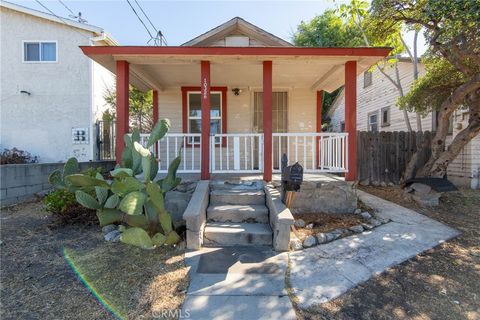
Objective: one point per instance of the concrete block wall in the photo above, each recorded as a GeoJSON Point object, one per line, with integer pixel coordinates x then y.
{"type": "Point", "coordinates": [20, 182]}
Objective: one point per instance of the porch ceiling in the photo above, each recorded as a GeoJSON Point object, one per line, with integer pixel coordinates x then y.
{"type": "Point", "coordinates": [160, 68]}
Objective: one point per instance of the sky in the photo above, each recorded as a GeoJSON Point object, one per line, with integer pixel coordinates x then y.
{"type": "Point", "coordinates": [181, 21]}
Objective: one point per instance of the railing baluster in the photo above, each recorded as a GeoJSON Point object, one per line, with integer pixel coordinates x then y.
{"type": "Point", "coordinates": [228, 154]}
{"type": "Point", "coordinates": [305, 151]}
{"type": "Point", "coordinates": [313, 152]}
{"type": "Point", "coordinates": [296, 148]}
{"type": "Point", "coordinates": [168, 150]}
{"type": "Point", "coordinates": [220, 151]}
{"type": "Point", "coordinates": [245, 152]}
{"type": "Point", "coordinates": [184, 146]}
{"type": "Point", "coordinates": [252, 138]}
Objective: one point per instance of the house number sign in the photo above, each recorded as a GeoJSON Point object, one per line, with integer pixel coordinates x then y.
{"type": "Point", "coordinates": [80, 135]}
{"type": "Point", "coordinates": [205, 87]}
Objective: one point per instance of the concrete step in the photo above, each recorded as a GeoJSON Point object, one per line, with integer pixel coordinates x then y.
{"type": "Point", "coordinates": [238, 213]}
{"type": "Point", "coordinates": [237, 197]}
{"type": "Point", "coordinates": [233, 234]}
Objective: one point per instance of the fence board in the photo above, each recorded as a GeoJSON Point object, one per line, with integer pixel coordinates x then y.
{"type": "Point", "coordinates": [383, 156]}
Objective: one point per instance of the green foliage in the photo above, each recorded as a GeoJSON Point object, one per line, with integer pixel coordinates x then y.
{"type": "Point", "coordinates": [57, 177]}
{"type": "Point", "coordinates": [59, 201]}
{"type": "Point", "coordinates": [130, 200]}
{"type": "Point", "coordinates": [327, 30]}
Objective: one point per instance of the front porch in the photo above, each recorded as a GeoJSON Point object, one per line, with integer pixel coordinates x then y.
{"type": "Point", "coordinates": [237, 110]}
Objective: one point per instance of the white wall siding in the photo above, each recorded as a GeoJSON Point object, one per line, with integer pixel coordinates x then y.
{"type": "Point", "coordinates": [61, 94]}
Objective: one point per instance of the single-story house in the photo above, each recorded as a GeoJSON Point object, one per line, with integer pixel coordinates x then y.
{"type": "Point", "coordinates": [51, 94]}
{"type": "Point", "coordinates": [238, 98]}
{"type": "Point", "coordinates": [377, 111]}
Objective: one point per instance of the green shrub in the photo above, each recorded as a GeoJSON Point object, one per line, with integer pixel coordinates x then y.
{"type": "Point", "coordinates": [59, 201]}
{"type": "Point", "coordinates": [139, 203]}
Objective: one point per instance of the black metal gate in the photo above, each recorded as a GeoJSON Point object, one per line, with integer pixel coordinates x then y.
{"type": "Point", "coordinates": [105, 132]}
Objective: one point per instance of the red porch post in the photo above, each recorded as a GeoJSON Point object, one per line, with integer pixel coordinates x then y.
{"type": "Point", "coordinates": [267, 120]}
{"type": "Point", "coordinates": [205, 139]}
{"type": "Point", "coordinates": [319, 122]}
{"type": "Point", "coordinates": [122, 124]}
{"type": "Point", "coordinates": [351, 118]}
{"type": "Point", "coordinates": [155, 114]}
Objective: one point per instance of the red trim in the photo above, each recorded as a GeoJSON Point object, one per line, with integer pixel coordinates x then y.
{"type": "Point", "coordinates": [319, 122]}
{"type": "Point", "coordinates": [186, 90]}
{"type": "Point", "coordinates": [155, 114]}
{"type": "Point", "coordinates": [351, 117]}
{"type": "Point", "coordinates": [267, 120]}
{"type": "Point", "coordinates": [122, 123]}
{"type": "Point", "coordinates": [205, 138]}
{"type": "Point", "coordinates": [220, 51]}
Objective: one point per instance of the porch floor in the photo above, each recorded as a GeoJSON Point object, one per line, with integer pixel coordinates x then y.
{"type": "Point", "coordinates": [276, 177]}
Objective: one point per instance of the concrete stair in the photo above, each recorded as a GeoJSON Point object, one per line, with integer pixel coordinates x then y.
{"type": "Point", "coordinates": [237, 216]}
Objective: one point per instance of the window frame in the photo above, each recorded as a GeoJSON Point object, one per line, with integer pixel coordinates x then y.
{"type": "Point", "coordinates": [369, 115]}
{"type": "Point", "coordinates": [186, 108]}
{"type": "Point", "coordinates": [39, 51]}
{"type": "Point", "coordinates": [365, 84]}
{"type": "Point", "coordinates": [387, 123]}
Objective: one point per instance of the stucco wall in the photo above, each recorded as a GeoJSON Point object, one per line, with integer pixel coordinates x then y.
{"type": "Point", "coordinates": [61, 92]}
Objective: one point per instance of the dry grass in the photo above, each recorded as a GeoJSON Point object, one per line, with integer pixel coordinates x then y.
{"type": "Point", "coordinates": [36, 280]}
{"type": "Point", "coordinates": [442, 283]}
{"type": "Point", "coordinates": [324, 222]}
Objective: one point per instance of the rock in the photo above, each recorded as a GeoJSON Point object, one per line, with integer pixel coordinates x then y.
{"type": "Point", "coordinates": [367, 226]}
{"type": "Point", "coordinates": [383, 184]}
{"type": "Point", "coordinates": [322, 237]}
{"type": "Point", "coordinates": [332, 236]}
{"type": "Point", "coordinates": [109, 228]}
{"type": "Point", "coordinates": [375, 183]}
{"type": "Point", "coordinates": [374, 222]}
{"type": "Point", "coordinates": [310, 241]}
{"type": "Point", "coordinates": [356, 229]}
{"type": "Point", "coordinates": [357, 211]}
{"type": "Point", "coordinates": [383, 220]}
{"type": "Point", "coordinates": [365, 215]}
{"type": "Point", "coordinates": [420, 187]}
{"type": "Point", "coordinates": [391, 184]}
{"type": "Point", "coordinates": [296, 244]}
{"type": "Point", "coordinates": [309, 226]}
{"type": "Point", "coordinates": [112, 236]}
{"type": "Point", "coordinates": [364, 182]}
{"type": "Point", "coordinates": [188, 186]}
{"type": "Point", "coordinates": [431, 199]}
{"type": "Point", "coordinates": [299, 223]}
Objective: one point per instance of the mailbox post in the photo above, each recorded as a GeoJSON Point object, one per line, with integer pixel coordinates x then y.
{"type": "Point", "coordinates": [292, 178]}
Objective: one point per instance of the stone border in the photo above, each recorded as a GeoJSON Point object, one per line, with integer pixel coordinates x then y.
{"type": "Point", "coordinates": [281, 219]}
{"type": "Point", "coordinates": [21, 182]}
{"type": "Point", "coordinates": [322, 238]}
{"type": "Point", "coordinates": [195, 215]}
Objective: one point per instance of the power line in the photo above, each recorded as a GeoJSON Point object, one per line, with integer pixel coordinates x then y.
{"type": "Point", "coordinates": [141, 21]}
{"type": "Point", "coordinates": [138, 4]}
{"type": "Point", "coordinates": [159, 38]}
{"type": "Point", "coordinates": [66, 7]}
{"type": "Point", "coordinates": [73, 15]}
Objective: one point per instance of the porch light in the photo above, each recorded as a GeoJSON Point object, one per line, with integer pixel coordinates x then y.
{"type": "Point", "coordinates": [236, 91]}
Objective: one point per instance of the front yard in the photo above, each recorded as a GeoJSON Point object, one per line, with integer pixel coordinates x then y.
{"type": "Point", "coordinates": [442, 283]}
{"type": "Point", "coordinates": [38, 283]}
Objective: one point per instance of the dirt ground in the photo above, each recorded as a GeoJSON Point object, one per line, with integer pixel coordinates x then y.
{"type": "Point", "coordinates": [323, 222]}
{"type": "Point", "coordinates": [38, 283]}
{"type": "Point", "coordinates": [442, 283]}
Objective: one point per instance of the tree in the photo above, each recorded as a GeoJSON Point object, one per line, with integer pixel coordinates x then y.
{"type": "Point", "coordinates": [452, 29]}
{"type": "Point", "coordinates": [327, 30]}
{"type": "Point", "coordinates": [140, 108]}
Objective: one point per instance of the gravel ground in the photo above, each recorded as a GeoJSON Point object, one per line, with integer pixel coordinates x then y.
{"type": "Point", "coordinates": [37, 282]}
{"type": "Point", "coordinates": [442, 283]}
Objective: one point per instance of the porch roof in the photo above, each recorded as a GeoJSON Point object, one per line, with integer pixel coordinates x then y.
{"type": "Point", "coordinates": [163, 67]}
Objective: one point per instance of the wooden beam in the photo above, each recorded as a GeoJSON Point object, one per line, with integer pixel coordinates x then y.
{"type": "Point", "coordinates": [325, 77]}
{"type": "Point", "coordinates": [267, 120]}
{"type": "Point", "coordinates": [205, 101]}
{"type": "Point", "coordinates": [122, 123]}
{"type": "Point", "coordinates": [351, 118]}
{"type": "Point", "coordinates": [143, 75]}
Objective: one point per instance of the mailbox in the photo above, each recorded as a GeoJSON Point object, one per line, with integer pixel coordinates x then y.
{"type": "Point", "coordinates": [292, 176]}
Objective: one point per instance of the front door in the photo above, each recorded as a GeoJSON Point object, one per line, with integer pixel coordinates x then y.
{"type": "Point", "coordinates": [279, 121]}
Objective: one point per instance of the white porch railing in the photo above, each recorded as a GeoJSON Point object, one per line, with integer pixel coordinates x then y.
{"type": "Point", "coordinates": [316, 152]}
{"type": "Point", "coordinates": [236, 153]}
{"type": "Point", "coordinates": [169, 147]}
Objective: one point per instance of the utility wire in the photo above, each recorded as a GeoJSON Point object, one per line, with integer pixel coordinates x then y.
{"type": "Point", "coordinates": [61, 19]}
{"type": "Point", "coordinates": [66, 7]}
{"type": "Point", "coordinates": [73, 15]}
{"type": "Point", "coordinates": [140, 19]}
{"type": "Point", "coordinates": [159, 37]}
{"type": "Point", "coordinates": [138, 4]}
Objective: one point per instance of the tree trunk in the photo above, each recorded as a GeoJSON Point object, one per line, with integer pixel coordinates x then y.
{"type": "Point", "coordinates": [415, 75]}
{"type": "Point", "coordinates": [400, 91]}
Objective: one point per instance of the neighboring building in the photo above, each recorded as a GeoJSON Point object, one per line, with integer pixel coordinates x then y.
{"type": "Point", "coordinates": [377, 111]}
{"type": "Point", "coordinates": [51, 94]}
{"type": "Point", "coordinates": [239, 64]}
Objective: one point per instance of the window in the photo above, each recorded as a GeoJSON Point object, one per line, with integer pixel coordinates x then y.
{"type": "Point", "coordinates": [342, 126]}
{"type": "Point", "coordinates": [36, 51]}
{"type": "Point", "coordinates": [373, 121]}
{"type": "Point", "coordinates": [192, 111]}
{"type": "Point", "coordinates": [367, 79]}
{"type": "Point", "coordinates": [385, 112]}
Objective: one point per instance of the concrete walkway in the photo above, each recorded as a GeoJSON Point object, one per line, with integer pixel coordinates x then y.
{"type": "Point", "coordinates": [241, 283]}
{"type": "Point", "coordinates": [322, 273]}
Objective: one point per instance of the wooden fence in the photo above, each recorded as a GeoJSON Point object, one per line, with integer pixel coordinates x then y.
{"type": "Point", "coordinates": [383, 156]}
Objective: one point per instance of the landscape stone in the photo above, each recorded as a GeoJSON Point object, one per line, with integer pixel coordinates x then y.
{"type": "Point", "coordinates": [365, 215]}
{"type": "Point", "coordinates": [296, 244]}
{"type": "Point", "coordinates": [356, 229]}
{"type": "Point", "coordinates": [357, 211]}
{"type": "Point", "coordinates": [374, 222]}
{"type": "Point", "coordinates": [112, 236]}
{"type": "Point", "coordinates": [310, 241]}
{"type": "Point", "coordinates": [420, 187]}
{"type": "Point", "coordinates": [299, 223]}
{"type": "Point", "coordinates": [367, 226]}
{"type": "Point", "coordinates": [332, 236]}
{"type": "Point", "coordinates": [322, 238]}
{"type": "Point", "coordinates": [309, 226]}
{"type": "Point", "coordinates": [431, 199]}
{"type": "Point", "coordinates": [109, 228]}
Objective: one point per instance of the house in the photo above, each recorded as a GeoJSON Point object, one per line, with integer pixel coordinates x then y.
{"type": "Point", "coordinates": [377, 111]}
{"type": "Point", "coordinates": [238, 98]}
{"type": "Point", "coordinates": [51, 94]}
